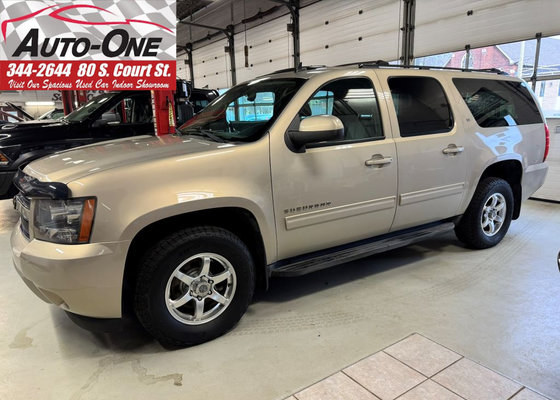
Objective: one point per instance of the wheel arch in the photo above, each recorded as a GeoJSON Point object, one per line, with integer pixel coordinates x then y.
{"type": "Point", "coordinates": [239, 221]}
{"type": "Point", "coordinates": [512, 172]}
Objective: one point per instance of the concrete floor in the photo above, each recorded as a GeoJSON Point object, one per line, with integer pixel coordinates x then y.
{"type": "Point", "coordinates": [499, 307]}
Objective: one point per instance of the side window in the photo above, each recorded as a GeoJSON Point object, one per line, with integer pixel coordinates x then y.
{"type": "Point", "coordinates": [498, 103]}
{"type": "Point", "coordinates": [354, 102]}
{"type": "Point", "coordinates": [254, 107]}
{"type": "Point", "coordinates": [131, 110]}
{"type": "Point", "coordinates": [322, 103]}
{"type": "Point", "coordinates": [421, 105]}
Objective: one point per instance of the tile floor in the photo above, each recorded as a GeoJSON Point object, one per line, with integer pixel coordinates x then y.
{"type": "Point", "coordinates": [416, 368]}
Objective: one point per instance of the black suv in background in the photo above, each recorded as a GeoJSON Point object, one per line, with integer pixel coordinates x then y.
{"type": "Point", "coordinates": [111, 115]}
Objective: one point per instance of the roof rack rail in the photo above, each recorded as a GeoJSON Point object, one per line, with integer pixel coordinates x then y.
{"type": "Point", "coordinates": [385, 64]}
{"type": "Point", "coordinates": [300, 68]}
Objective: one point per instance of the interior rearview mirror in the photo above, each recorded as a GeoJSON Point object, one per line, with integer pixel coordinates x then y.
{"type": "Point", "coordinates": [315, 129]}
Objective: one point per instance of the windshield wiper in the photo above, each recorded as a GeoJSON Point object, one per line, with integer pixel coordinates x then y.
{"type": "Point", "coordinates": [204, 133]}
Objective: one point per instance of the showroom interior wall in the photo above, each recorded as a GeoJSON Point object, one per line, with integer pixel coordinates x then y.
{"type": "Point", "coordinates": [334, 32]}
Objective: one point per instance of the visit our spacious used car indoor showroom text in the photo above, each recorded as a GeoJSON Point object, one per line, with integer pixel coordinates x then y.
{"type": "Point", "coordinates": [333, 200]}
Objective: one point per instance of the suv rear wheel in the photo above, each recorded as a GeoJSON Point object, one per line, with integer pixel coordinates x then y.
{"type": "Point", "coordinates": [487, 219]}
{"type": "Point", "coordinates": [194, 286]}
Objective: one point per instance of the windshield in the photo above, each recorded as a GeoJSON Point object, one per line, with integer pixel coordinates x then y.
{"type": "Point", "coordinates": [244, 112]}
{"type": "Point", "coordinates": [80, 114]}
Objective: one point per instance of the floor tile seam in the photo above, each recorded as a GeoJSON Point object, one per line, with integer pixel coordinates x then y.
{"type": "Point", "coordinates": [439, 344]}
{"type": "Point", "coordinates": [423, 374]}
{"type": "Point", "coordinates": [532, 390]}
{"type": "Point", "coordinates": [450, 365]}
{"type": "Point", "coordinates": [405, 364]}
{"type": "Point", "coordinates": [515, 394]}
{"type": "Point", "coordinates": [350, 365]}
{"type": "Point", "coordinates": [496, 372]}
{"type": "Point", "coordinates": [439, 384]}
{"type": "Point", "coordinates": [365, 388]}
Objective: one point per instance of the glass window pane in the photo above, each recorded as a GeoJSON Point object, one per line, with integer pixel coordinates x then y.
{"type": "Point", "coordinates": [550, 98]}
{"type": "Point", "coordinates": [505, 57]}
{"type": "Point", "coordinates": [421, 105]}
{"type": "Point", "coordinates": [257, 108]}
{"type": "Point", "coordinates": [549, 57]}
{"type": "Point", "coordinates": [354, 102]}
{"type": "Point", "coordinates": [498, 103]}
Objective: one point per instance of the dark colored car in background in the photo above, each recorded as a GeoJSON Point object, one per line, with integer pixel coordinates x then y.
{"type": "Point", "coordinates": [112, 115]}
{"type": "Point", "coordinates": [200, 98]}
{"type": "Point", "coordinates": [56, 113]}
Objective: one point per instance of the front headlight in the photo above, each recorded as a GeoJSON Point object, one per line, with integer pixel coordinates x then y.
{"type": "Point", "coordinates": [63, 221]}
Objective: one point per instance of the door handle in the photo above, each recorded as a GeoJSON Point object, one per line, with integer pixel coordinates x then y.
{"type": "Point", "coordinates": [453, 149]}
{"type": "Point", "coordinates": [377, 160]}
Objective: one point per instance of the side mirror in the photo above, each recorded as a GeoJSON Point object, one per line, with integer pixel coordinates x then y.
{"type": "Point", "coordinates": [315, 129]}
{"type": "Point", "coordinates": [106, 119]}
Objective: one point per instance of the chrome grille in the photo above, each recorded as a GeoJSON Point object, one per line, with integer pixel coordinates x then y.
{"type": "Point", "coordinates": [23, 205]}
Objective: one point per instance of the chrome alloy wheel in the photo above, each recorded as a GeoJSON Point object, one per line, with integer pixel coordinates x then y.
{"type": "Point", "coordinates": [493, 214]}
{"type": "Point", "coordinates": [200, 288]}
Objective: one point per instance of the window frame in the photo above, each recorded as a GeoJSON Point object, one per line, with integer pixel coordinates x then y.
{"type": "Point", "coordinates": [533, 98]}
{"type": "Point", "coordinates": [343, 141]}
{"type": "Point", "coordinates": [453, 120]}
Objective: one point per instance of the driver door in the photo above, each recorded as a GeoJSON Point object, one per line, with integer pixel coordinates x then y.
{"type": "Point", "coordinates": [327, 195]}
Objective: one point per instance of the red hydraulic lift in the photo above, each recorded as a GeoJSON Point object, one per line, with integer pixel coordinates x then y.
{"type": "Point", "coordinates": [163, 106]}
{"type": "Point", "coordinates": [72, 99]}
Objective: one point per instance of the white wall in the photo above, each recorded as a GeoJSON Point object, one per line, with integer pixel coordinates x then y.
{"type": "Point", "coordinates": [441, 29]}
{"type": "Point", "coordinates": [378, 27]}
{"type": "Point", "coordinates": [271, 45]}
{"type": "Point", "coordinates": [441, 26]}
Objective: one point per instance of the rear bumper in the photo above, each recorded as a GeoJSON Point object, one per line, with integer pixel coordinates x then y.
{"type": "Point", "coordinates": [533, 179]}
{"type": "Point", "coordinates": [84, 279]}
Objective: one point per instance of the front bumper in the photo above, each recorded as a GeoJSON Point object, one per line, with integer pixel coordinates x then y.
{"type": "Point", "coordinates": [85, 279]}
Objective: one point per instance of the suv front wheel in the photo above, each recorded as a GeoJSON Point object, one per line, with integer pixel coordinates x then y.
{"type": "Point", "coordinates": [487, 219]}
{"type": "Point", "coordinates": [194, 286]}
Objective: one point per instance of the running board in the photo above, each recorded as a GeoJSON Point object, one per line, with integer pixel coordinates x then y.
{"type": "Point", "coordinates": [341, 254]}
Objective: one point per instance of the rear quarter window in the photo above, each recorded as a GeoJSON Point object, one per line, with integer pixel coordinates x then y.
{"type": "Point", "coordinates": [496, 103]}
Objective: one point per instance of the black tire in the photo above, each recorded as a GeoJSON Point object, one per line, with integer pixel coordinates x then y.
{"type": "Point", "coordinates": [173, 326]}
{"type": "Point", "coordinates": [470, 228]}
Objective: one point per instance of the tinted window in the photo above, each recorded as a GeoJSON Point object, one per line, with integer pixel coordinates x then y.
{"type": "Point", "coordinates": [131, 110]}
{"type": "Point", "coordinates": [421, 106]}
{"type": "Point", "coordinates": [498, 103]}
{"type": "Point", "coordinates": [354, 102]}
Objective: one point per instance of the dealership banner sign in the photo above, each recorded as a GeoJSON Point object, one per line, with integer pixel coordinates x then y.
{"type": "Point", "coordinates": [87, 45]}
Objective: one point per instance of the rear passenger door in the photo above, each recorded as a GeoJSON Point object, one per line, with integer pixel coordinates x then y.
{"type": "Point", "coordinates": [430, 149]}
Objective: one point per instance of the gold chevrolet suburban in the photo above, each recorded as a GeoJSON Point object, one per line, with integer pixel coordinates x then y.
{"type": "Point", "coordinates": [283, 175]}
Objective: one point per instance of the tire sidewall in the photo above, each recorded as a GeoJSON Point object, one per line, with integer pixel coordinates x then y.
{"type": "Point", "coordinates": [503, 188]}
{"type": "Point", "coordinates": [154, 300]}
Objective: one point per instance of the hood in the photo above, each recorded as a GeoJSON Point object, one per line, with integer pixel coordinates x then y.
{"type": "Point", "coordinates": [22, 126]}
{"type": "Point", "coordinates": [69, 165]}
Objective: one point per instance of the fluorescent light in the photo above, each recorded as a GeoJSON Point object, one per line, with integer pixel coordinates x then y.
{"type": "Point", "coordinates": [39, 103]}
